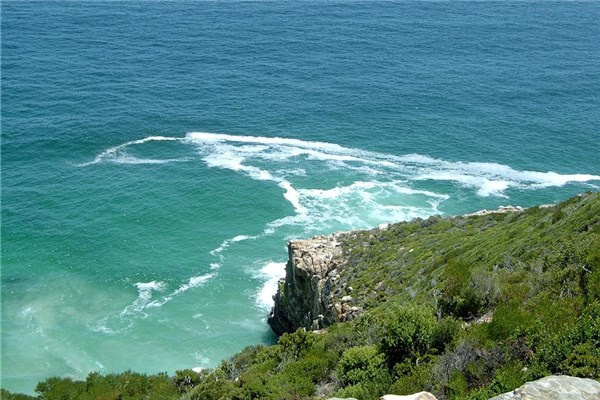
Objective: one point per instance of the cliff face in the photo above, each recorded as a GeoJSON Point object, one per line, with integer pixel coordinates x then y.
{"type": "Point", "coordinates": [312, 295]}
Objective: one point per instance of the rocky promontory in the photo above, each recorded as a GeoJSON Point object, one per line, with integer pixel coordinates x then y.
{"type": "Point", "coordinates": [315, 292]}
{"type": "Point", "coordinates": [312, 295]}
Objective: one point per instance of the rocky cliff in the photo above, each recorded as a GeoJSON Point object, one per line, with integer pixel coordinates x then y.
{"type": "Point", "coordinates": [315, 294]}
{"type": "Point", "coordinates": [312, 295]}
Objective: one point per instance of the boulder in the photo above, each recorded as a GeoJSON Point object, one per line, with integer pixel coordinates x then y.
{"type": "Point", "coordinates": [416, 396]}
{"type": "Point", "coordinates": [555, 387]}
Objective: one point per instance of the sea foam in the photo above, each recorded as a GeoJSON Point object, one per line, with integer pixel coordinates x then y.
{"type": "Point", "coordinates": [145, 290]}
{"type": "Point", "coordinates": [369, 187]}
{"type": "Point", "coordinates": [271, 272]}
{"type": "Point", "coordinates": [119, 155]}
{"type": "Point", "coordinates": [145, 300]}
{"type": "Point", "coordinates": [272, 158]}
{"type": "Point", "coordinates": [488, 179]}
{"type": "Point", "coordinates": [193, 282]}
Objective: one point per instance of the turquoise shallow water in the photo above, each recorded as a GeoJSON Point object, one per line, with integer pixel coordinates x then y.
{"type": "Point", "coordinates": [156, 156]}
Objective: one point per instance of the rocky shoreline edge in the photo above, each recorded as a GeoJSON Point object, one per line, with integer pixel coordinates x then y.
{"type": "Point", "coordinates": [312, 295]}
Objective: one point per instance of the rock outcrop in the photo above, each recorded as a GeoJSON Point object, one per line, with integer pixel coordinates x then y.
{"type": "Point", "coordinates": [416, 396]}
{"type": "Point", "coordinates": [556, 387]}
{"type": "Point", "coordinates": [311, 296]}
{"type": "Point", "coordinates": [500, 210]}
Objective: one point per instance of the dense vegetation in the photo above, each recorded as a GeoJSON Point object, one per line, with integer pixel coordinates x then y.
{"type": "Point", "coordinates": [533, 276]}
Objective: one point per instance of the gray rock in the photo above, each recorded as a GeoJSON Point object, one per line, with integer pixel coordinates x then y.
{"type": "Point", "coordinates": [416, 396]}
{"type": "Point", "coordinates": [325, 390]}
{"type": "Point", "coordinates": [500, 210]}
{"type": "Point", "coordinates": [338, 308]}
{"type": "Point", "coordinates": [555, 387]}
{"type": "Point", "coordinates": [309, 296]}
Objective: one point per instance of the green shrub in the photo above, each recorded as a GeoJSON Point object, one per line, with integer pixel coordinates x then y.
{"type": "Point", "coordinates": [61, 389]}
{"type": "Point", "coordinates": [457, 385]}
{"type": "Point", "coordinates": [247, 358]}
{"type": "Point", "coordinates": [472, 362]}
{"type": "Point", "coordinates": [593, 285]}
{"type": "Point", "coordinates": [407, 332]}
{"type": "Point", "coordinates": [215, 387]}
{"type": "Point", "coordinates": [342, 336]}
{"type": "Point", "coordinates": [360, 391]}
{"type": "Point", "coordinates": [294, 345]}
{"type": "Point", "coordinates": [444, 332]}
{"type": "Point", "coordinates": [575, 349]}
{"type": "Point", "coordinates": [124, 386]}
{"type": "Point", "coordinates": [314, 367]}
{"type": "Point", "coordinates": [412, 378]}
{"type": "Point", "coordinates": [508, 377]}
{"type": "Point", "coordinates": [290, 385]}
{"type": "Point", "coordinates": [582, 361]}
{"type": "Point", "coordinates": [588, 325]}
{"type": "Point", "coordinates": [467, 291]}
{"type": "Point", "coordinates": [186, 379]}
{"type": "Point", "coordinates": [510, 320]}
{"type": "Point", "coordinates": [360, 364]}
{"type": "Point", "coordinates": [254, 385]}
{"type": "Point", "coordinates": [6, 395]}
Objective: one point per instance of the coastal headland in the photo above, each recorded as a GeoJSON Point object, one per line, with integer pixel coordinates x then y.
{"type": "Point", "coordinates": [465, 307]}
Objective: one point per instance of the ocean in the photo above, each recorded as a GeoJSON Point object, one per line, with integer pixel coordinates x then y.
{"type": "Point", "coordinates": [158, 155]}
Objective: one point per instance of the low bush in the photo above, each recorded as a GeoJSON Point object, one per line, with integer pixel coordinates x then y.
{"type": "Point", "coordinates": [362, 364]}
{"type": "Point", "coordinates": [407, 332]}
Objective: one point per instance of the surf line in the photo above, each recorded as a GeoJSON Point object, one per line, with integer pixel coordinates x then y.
{"type": "Point", "coordinates": [231, 151]}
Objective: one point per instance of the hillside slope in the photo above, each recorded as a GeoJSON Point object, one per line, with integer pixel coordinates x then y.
{"type": "Point", "coordinates": [458, 265]}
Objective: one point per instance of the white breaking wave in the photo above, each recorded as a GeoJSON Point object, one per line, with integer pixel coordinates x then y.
{"type": "Point", "coordinates": [271, 273]}
{"type": "Point", "coordinates": [362, 185]}
{"type": "Point", "coordinates": [145, 295]}
{"type": "Point", "coordinates": [193, 282]}
{"type": "Point", "coordinates": [225, 244]}
{"type": "Point", "coordinates": [331, 187]}
{"type": "Point", "coordinates": [293, 196]}
{"type": "Point", "coordinates": [101, 327]}
{"type": "Point", "coordinates": [242, 153]}
{"type": "Point", "coordinates": [206, 137]}
{"type": "Point", "coordinates": [118, 154]}
{"type": "Point", "coordinates": [145, 290]}
{"type": "Point", "coordinates": [492, 178]}
{"type": "Point", "coordinates": [147, 299]}
{"type": "Point", "coordinates": [488, 179]}
{"type": "Point", "coordinates": [260, 158]}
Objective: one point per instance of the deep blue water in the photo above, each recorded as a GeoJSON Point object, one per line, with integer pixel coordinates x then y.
{"type": "Point", "coordinates": [131, 238]}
